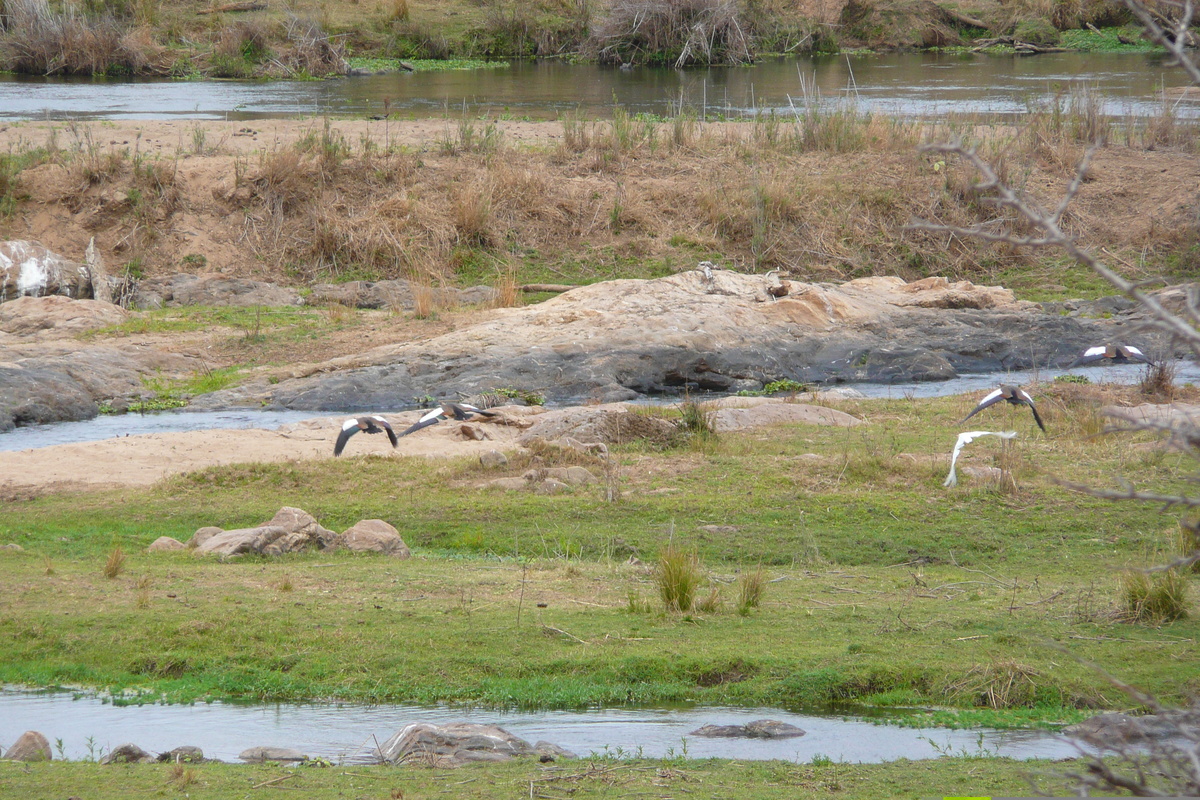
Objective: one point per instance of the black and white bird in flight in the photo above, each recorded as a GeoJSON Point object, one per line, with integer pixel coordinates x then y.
{"type": "Point", "coordinates": [1013, 394]}
{"type": "Point", "coordinates": [459, 411]}
{"type": "Point", "coordinates": [1113, 353]}
{"type": "Point", "coordinates": [372, 424]}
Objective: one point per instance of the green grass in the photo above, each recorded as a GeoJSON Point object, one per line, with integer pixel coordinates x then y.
{"type": "Point", "coordinates": [885, 587]}
{"type": "Point", "coordinates": [583, 780]}
{"type": "Point", "coordinates": [1106, 40]}
{"type": "Point", "coordinates": [368, 64]}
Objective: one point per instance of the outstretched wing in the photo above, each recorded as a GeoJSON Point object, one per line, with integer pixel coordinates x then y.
{"type": "Point", "coordinates": [1089, 356]}
{"type": "Point", "coordinates": [387, 427]}
{"type": "Point", "coordinates": [1024, 397]}
{"type": "Point", "coordinates": [965, 438]}
{"type": "Point", "coordinates": [349, 428]}
{"type": "Point", "coordinates": [430, 418]}
{"type": "Point", "coordinates": [994, 397]}
{"type": "Point", "coordinates": [1134, 354]}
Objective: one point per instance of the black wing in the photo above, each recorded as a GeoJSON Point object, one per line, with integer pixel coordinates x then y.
{"type": "Point", "coordinates": [391, 434]}
{"type": "Point", "coordinates": [1089, 356]}
{"type": "Point", "coordinates": [431, 418]}
{"type": "Point", "coordinates": [1023, 396]}
{"type": "Point", "coordinates": [1133, 354]}
{"type": "Point", "coordinates": [344, 437]}
{"type": "Point", "coordinates": [994, 397]}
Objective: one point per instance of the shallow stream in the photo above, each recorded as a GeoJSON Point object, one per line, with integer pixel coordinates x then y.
{"type": "Point", "coordinates": [348, 732]}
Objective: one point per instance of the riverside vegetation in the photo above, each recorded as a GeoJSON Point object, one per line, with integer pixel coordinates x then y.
{"type": "Point", "coordinates": [313, 39]}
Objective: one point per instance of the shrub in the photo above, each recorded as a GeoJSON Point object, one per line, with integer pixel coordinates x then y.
{"type": "Point", "coordinates": [675, 32]}
{"type": "Point", "coordinates": [1153, 597]}
{"type": "Point", "coordinates": [1036, 31]}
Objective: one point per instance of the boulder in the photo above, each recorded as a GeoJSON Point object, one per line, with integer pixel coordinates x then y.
{"type": "Point", "coordinates": [493, 459]}
{"type": "Point", "coordinates": [185, 754]}
{"type": "Point", "coordinates": [454, 744]}
{"type": "Point", "coordinates": [27, 316]}
{"type": "Point", "coordinates": [291, 530]}
{"type": "Point", "coordinates": [375, 536]}
{"type": "Point", "coordinates": [260, 754]}
{"type": "Point", "coordinates": [164, 544]}
{"type": "Point", "coordinates": [547, 751]}
{"type": "Point", "coordinates": [202, 535]}
{"type": "Point", "coordinates": [508, 484]}
{"type": "Point", "coordinates": [758, 729]}
{"type": "Point", "coordinates": [27, 269]}
{"type": "Point", "coordinates": [13, 546]}
{"type": "Point", "coordinates": [572, 476]}
{"type": "Point", "coordinates": [127, 754]}
{"type": "Point", "coordinates": [29, 746]}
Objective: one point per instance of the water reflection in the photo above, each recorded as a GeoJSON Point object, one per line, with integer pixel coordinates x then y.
{"type": "Point", "coordinates": [923, 84]}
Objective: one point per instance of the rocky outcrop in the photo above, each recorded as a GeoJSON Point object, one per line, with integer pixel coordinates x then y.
{"type": "Point", "coordinates": [291, 530]}
{"type": "Point", "coordinates": [207, 289]}
{"type": "Point", "coordinates": [767, 412]}
{"type": "Point", "coordinates": [28, 316]}
{"type": "Point", "coordinates": [29, 746]}
{"type": "Point", "coordinates": [758, 729]}
{"type": "Point", "coordinates": [185, 754]}
{"type": "Point", "coordinates": [127, 754]}
{"type": "Point", "coordinates": [607, 424]}
{"type": "Point", "coordinates": [29, 270]}
{"type": "Point", "coordinates": [63, 384]}
{"type": "Point", "coordinates": [393, 294]}
{"type": "Point", "coordinates": [375, 536]}
{"type": "Point", "coordinates": [619, 339]}
{"type": "Point", "coordinates": [458, 743]}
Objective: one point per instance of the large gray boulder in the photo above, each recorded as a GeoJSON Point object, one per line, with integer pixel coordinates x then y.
{"type": "Point", "coordinates": [291, 530]}
{"type": "Point", "coordinates": [29, 746]}
{"type": "Point", "coordinates": [27, 269]}
{"type": "Point", "coordinates": [458, 743]}
{"type": "Point", "coordinates": [268, 753]}
{"type": "Point", "coordinates": [687, 332]}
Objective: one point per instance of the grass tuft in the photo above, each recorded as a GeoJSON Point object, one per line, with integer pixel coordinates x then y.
{"type": "Point", "coordinates": [1153, 597]}
{"type": "Point", "coordinates": [115, 563]}
{"type": "Point", "coordinates": [751, 585]}
{"type": "Point", "coordinates": [678, 576]}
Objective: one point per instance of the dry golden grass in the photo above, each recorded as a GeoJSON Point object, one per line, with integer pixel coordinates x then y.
{"type": "Point", "coordinates": [1153, 597]}
{"type": "Point", "coordinates": [115, 564]}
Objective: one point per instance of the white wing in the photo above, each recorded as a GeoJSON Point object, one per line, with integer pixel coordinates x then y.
{"type": "Point", "coordinates": [350, 423]}
{"type": "Point", "coordinates": [964, 439]}
{"type": "Point", "coordinates": [990, 397]}
{"type": "Point", "coordinates": [434, 414]}
{"type": "Point", "coordinates": [1134, 350]}
{"type": "Point", "coordinates": [1093, 351]}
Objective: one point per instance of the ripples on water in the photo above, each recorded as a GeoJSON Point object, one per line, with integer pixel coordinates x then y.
{"type": "Point", "coordinates": [906, 84]}
{"type": "Point", "coordinates": [350, 732]}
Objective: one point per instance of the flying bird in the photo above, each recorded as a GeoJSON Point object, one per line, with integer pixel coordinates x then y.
{"type": "Point", "coordinates": [1013, 394]}
{"type": "Point", "coordinates": [1114, 353]}
{"type": "Point", "coordinates": [964, 439]}
{"type": "Point", "coordinates": [372, 424]}
{"type": "Point", "coordinates": [459, 411]}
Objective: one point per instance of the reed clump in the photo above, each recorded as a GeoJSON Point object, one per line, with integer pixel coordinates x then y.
{"type": "Point", "coordinates": [673, 32]}
{"type": "Point", "coordinates": [1153, 598]}
{"type": "Point", "coordinates": [678, 576]}
{"type": "Point", "coordinates": [115, 564]}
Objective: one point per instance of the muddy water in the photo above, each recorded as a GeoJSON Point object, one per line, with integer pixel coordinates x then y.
{"type": "Point", "coordinates": [349, 732]}
{"type": "Point", "coordinates": [924, 84]}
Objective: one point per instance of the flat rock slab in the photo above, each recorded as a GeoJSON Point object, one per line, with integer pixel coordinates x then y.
{"type": "Point", "coordinates": [27, 316]}
{"type": "Point", "coordinates": [777, 413]}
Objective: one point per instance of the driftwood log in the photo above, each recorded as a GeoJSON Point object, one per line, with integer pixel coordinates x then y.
{"type": "Point", "coordinates": [249, 5]}
{"type": "Point", "coordinates": [547, 287]}
{"type": "Point", "coordinates": [954, 15]}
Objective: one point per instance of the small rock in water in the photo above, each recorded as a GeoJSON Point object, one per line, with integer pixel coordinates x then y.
{"type": "Point", "coordinates": [187, 754]}
{"type": "Point", "coordinates": [257, 754]}
{"type": "Point", "coordinates": [128, 753]}
{"type": "Point", "coordinates": [758, 729]}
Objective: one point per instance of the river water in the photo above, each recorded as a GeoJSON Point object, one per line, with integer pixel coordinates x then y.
{"type": "Point", "coordinates": [109, 427]}
{"type": "Point", "coordinates": [348, 732]}
{"type": "Point", "coordinates": [907, 84]}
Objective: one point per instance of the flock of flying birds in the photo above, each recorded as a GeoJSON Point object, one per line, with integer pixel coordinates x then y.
{"type": "Point", "coordinates": [1115, 354]}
